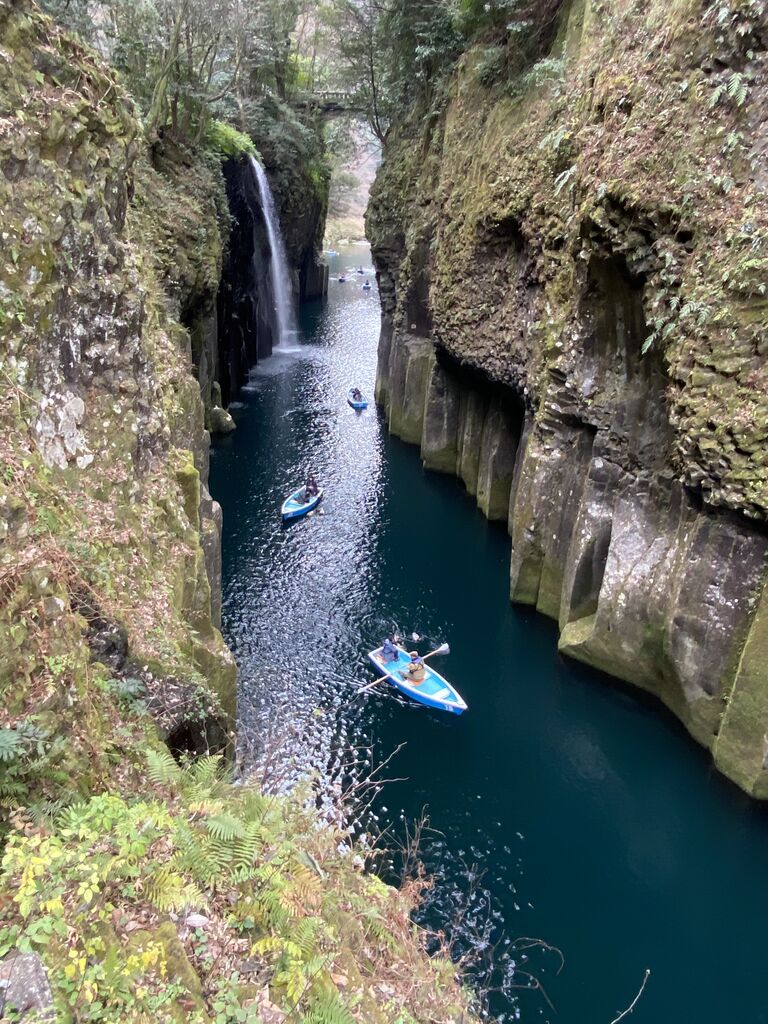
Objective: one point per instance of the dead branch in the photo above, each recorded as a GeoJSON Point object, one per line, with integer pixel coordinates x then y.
{"type": "Point", "coordinates": [633, 1004]}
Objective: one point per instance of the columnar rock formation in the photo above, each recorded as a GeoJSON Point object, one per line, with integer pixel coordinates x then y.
{"type": "Point", "coordinates": [572, 269]}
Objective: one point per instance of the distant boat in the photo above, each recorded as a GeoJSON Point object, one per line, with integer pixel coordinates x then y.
{"type": "Point", "coordinates": [434, 691]}
{"type": "Point", "coordinates": [342, 278]}
{"type": "Point", "coordinates": [360, 403]}
{"type": "Point", "coordinates": [295, 506]}
{"type": "Point", "coordinates": [331, 252]}
{"type": "Point", "coordinates": [360, 270]}
{"type": "Point", "coordinates": [367, 286]}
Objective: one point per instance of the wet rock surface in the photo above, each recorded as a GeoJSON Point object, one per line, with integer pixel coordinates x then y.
{"type": "Point", "coordinates": [245, 297]}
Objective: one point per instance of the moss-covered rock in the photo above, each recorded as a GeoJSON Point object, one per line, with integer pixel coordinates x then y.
{"type": "Point", "coordinates": [163, 894]}
{"type": "Point", "coordinates": [102, 434]}
{"type": "Point", "coordinates": [593, 242]}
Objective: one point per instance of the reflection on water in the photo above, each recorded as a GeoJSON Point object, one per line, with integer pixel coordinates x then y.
{"type": "Point", "coordinates": [295, 603]}
{"type": "Point", "coordinates": [563, 807]}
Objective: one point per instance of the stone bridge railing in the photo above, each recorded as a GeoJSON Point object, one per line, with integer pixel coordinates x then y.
{"type": "Point", "coordinates": [329, 101]}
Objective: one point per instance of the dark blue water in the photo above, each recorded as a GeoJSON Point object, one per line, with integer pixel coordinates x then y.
{"type": "Point", "coordinates": [564, 807]}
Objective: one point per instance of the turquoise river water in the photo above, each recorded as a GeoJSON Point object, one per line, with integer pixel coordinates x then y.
{"type": "Point", "coordinates": [563, 806]}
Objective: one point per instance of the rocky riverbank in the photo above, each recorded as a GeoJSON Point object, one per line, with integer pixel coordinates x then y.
{"type": "Point", "coordinates": [572, 265]}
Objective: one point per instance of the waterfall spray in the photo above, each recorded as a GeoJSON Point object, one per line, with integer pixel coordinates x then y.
{"type": "Point", "coordinates": [278, 264]}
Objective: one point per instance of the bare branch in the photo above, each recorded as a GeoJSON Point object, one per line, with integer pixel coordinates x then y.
{"type": "Point", "coordinates": [524, 942]}
{"type": "Point", "coordinates": [633, 1004]}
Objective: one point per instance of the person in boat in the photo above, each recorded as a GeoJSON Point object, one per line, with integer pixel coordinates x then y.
{"type": "Point", "coordinates": [416, 672]}
{"type": "Point", "coordinates": [389, 651]}
{"type": "Point", "coordinates": [357, 395]}
{"type": "Point", "coordinates": [310, 488]}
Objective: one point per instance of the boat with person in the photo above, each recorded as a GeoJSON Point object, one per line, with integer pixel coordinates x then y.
{"type": "Point", "coordinates": [342, 278]}
{"type": "Point", "coordinates": [367, 286]}
{"type": "Point", "coordinates": [357, 399]}
{"type": "Point", "coordinates": [299, 504]}
{"type": "Point", "coordinates": [434, 690]}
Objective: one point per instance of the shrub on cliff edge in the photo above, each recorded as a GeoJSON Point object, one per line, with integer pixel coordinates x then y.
{"type": "Point", "coordinates": [207, 901]}
{"type": "Point", "coordinates": [226, 141]}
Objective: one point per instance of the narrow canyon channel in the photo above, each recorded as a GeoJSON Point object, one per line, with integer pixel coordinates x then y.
{"type": "Point", "coordinates": [563, 806]}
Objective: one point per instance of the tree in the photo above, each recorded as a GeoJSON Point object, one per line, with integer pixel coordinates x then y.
{"type": "Point", "coordinates": [182, 58]}
{"type": "Point", "coordinates": [344, 189]}
{"type": "Point", "coordinates": [355, 29]}
{"type": "Point", "coordinates": [391, 51]}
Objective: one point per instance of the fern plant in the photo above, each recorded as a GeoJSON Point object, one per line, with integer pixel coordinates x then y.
{"type": "Point", "coordinates": [735, 89]}
{"type": "Point", "coordinates": [271, 885]}
{"type": "Point", "coordinates": [10, 745]}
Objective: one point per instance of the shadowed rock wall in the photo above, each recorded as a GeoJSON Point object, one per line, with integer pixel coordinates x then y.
{"type": "Point", "coordinates": [645, 584]}
{"type": "Point", "coordinates": [571, 324]}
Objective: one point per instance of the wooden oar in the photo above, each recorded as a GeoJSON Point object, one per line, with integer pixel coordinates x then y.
{"type": "Point", "coordinates": [442, 649]}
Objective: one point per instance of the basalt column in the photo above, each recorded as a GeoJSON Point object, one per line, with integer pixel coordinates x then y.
{"type": "Point", "coordinates": [645, 583]}
{"type": "Point", "coordinates": [463, 425]}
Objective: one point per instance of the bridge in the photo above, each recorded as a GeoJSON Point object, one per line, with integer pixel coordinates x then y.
{"type": "Point", "coordinates": [330, 102]}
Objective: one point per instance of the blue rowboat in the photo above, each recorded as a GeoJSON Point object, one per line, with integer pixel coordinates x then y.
{"type": "Point", "coordinates": [295, 506]}
{"type": "Point", "coordinates": [367, 286]}
{"type": "Point", "coordinates": [362, 404]}
{"type": "Point", "coordinates": [434, 691]}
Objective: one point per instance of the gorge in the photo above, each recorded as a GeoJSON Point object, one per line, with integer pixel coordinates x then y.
{"type": "Point", "coordinates": [547, 814]}
{"type": "Point", "coordinates": [568, 233]}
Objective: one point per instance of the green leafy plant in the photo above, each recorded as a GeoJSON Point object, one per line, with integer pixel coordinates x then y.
{"type": "Point", "coordinates": [130, 691]}
{"type": "Point", "coordinates": [491, 65]}
{"type": "Point", "coordinates": [97, 893]}
{"type": "Point", "coordinates": [10, 745]}
{"type": "Point", "coordinates": [226, 141]}
{"type": "Point", "coordinates": [31, 756]}
{"type": "Point", "coordinates": [736, 89]}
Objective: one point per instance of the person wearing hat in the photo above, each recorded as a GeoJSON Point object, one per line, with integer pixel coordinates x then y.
{"type": "Point", "coordinates": [416, 672]}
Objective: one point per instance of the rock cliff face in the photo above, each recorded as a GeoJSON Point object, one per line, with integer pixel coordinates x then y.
{"type": "Point", "coordinates": [573, 277]}
{"type": "Point", "coordinates": [292, 153]}
{"type": "Point", "coordinates": [245, 296]}
{"type": "Point", "coordinates": [109, 540]}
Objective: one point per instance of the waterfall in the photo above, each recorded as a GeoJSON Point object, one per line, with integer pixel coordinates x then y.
{"type": "Point", "coordinates": [278, 264]}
